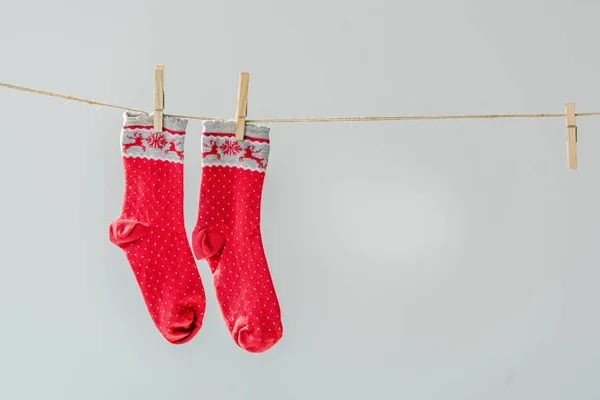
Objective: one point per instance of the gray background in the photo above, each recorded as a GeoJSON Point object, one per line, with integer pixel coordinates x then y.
{"type": "Point", "coordinates": [414, 260]}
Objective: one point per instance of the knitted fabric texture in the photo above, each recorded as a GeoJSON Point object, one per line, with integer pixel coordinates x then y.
{"type": "Point", "coordinates": [227, 233]}
{"type": "Point", "coordinates": [151, 229]}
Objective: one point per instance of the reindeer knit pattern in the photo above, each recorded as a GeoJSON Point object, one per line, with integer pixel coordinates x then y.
{"type": "Point", "coordinates": [227, 233]}
{"type": "Point", "coordinates": [151, 229]}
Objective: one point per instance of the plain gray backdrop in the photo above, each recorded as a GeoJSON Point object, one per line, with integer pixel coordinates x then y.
{"type": "Point", "coordinates": [429, 260]}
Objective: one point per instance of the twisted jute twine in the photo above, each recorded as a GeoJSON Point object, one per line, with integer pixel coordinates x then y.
{"type": "Point", "coordinates": [305, 120]}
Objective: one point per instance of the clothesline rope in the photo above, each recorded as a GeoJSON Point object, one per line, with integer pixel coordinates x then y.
{"type": "Point", "coordinates": [306, 120]}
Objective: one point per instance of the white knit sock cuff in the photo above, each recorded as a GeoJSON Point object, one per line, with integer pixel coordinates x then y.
{"type": "Point", "coordinates": [219, 147]}
{"type": "Point", "coordinates": [138, 138]}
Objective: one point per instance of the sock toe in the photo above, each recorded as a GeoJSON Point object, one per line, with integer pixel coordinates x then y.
{"type": "Point", "coordinates": [184, 329]}
{"type": "Point", "coordinates": [254, 343]}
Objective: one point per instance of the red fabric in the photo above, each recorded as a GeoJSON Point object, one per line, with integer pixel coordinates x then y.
{"type": "Point", "coordinates": [152, 234]}
{"type": "Point", "coordinates": [227, 235]}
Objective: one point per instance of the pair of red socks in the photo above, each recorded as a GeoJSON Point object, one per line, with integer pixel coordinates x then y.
{"type": "Point", "coordinates": [152, 233]}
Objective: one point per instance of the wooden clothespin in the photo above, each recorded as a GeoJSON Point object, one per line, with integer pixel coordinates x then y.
{"type": "Point", "coordinates": [571, 136]}
{"type": "Point", "coordinates": [242, 106]}
{"type": "Point", "coordinates": [159, 97]}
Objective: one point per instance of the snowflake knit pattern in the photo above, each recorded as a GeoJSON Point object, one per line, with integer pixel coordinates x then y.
{"type": "Point", "coordinates": [227, 233]}
{"type": "Point", "coordinates": [151, 229]}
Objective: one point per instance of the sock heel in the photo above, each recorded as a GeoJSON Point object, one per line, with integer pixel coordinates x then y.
{"type": "Point", "coordinates": [206, 243]}
{"type": "Point", "coordinates": [125, 231]}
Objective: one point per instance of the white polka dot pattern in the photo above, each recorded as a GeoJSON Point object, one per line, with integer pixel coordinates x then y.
{"type": "Point", "coordinates": [228, 235]}
{"type": "Point", "coordinates": [152, 234]}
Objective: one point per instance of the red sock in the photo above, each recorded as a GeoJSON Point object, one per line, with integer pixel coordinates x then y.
{"type": "Point", "coordinates": [150, 229]}
{"type": "Point", "coordinates": [228, 234]}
